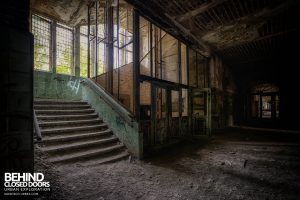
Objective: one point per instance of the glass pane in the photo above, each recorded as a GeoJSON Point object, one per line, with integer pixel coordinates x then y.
{"type": "Point", "coordinates": [201, 71]}
{"type": "Point", "coordinates": [145, 47]}
{"type": "Point", "coordinates": [184, 102]}
{"type": "Point", "coordinates": [183, 64]}
{"type": "Point", "coordinates": [83, 55]}
{"type": "Point", "coordinates": [192, 68]}
{"type": "Point", "coordinates": [175, 103]}
{"type": "Point", "coordinates": [125, 37]}
{"type": "Point", "coordinates": [169, 60]}
{"type": "Point", "coordinates": [64, 50]}
{"type": "Point", "coordinates": [126, 86]}
{"type": "Point", "coordinates": [266, 107]}
{"type": "Point", "coordinates": [145, 100]}
{"type": "Point", "coordinates": [174, 121]}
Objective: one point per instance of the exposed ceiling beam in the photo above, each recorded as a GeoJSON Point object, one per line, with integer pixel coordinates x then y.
{"type": "Point", "coordinates": [156, 12]}
{"type": "Point", "coordinates": [207, 49]}
{"type": "Point", "coordinates": [259, 16]}
{"type": "Point", "coordinates": [204, 7]}
{"type": "Point", "coordinates": [260, 38]}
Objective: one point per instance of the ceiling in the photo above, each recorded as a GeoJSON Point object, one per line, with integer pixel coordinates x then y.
{"type": "Point", "coordinates": [239, 31]}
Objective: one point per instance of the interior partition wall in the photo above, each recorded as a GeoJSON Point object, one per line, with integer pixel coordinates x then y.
{"type": "Point", "coordinates": [169, 71]}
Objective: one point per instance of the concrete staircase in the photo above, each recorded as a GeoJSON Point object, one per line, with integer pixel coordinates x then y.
{"type": "Point", "coordinates": [73, 132]}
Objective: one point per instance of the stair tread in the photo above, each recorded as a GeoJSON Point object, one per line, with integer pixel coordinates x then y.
{"type": "Point", "coordinates": [38, 106]}
{"type": "Point", "coordinates": [73, 110]}
{"type": "Point", "coordinates": [85, 153]}
{"type": "Point", "coordinates": [73, 132]}
{"type": "Point", "coordinates": [70, 121]}
{"type": "Point", "coordinates": [60, 129]}
{"type": "Point", "coordinates": [108, 159]}
{"type": "Point", "coordinates": [66, 137]}
{"type": "Point", "coordinates": [79, 144]}
{"type": "Point", "coordinates": [44, 116]}
{"type": "Point", "coordinates": [57, 101]}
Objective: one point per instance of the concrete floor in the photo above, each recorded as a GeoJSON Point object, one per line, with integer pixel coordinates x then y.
{"type": "Point", "coordinates": [236, 164]}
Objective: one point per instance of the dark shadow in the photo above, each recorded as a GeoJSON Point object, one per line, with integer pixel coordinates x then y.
{"type": "Point", "coordinates": [170, 156]}
{"type": "Point", "coordinates": [238, 134]}
{"type": "Point", "coordinates": [281, 187]}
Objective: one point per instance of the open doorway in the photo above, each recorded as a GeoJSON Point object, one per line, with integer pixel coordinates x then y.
{"type": "Point", "coordinates": [265, 101]}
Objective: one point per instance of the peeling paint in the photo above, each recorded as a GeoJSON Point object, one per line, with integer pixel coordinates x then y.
{"type": "Point", "coordinates": [48, 85]}
{"type": "Point", "coordinates": [127, 133]}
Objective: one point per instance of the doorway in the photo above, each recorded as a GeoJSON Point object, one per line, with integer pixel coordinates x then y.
{"type": "Point", "coordinates": [167, 113]}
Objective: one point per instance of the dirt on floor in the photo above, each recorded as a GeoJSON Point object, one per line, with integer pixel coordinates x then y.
{"type": "Point", "coordinates": [235, 164]}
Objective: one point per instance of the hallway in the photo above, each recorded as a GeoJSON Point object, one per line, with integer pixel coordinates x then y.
{"type": "Point", "coordinates": [236, 164]}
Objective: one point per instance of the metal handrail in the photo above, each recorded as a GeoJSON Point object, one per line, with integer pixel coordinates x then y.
{"type": "Point", "coordinates": [37, 128]}
{"type": "Point", "coordinates": [124, 113]}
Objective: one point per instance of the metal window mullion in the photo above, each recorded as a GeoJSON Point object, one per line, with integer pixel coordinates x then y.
{"type": "Point", "coordinates": [89, 48]}
{"type": "Point", "coordinates": [53, 47]}
{"type": "Point", "coordinates": [96, 41]}
{"type": "Point", "coordinates": [180, 89]}
{"type": "Point", "coordinates": [73, 54]}
{"type": "Point", "coordinates": [118, 52]}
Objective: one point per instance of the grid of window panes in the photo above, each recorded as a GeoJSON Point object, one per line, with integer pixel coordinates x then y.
{"type": "Point", "coordinates": [41, 29]}
{"type": "Point", "coordinates": [64, 50]}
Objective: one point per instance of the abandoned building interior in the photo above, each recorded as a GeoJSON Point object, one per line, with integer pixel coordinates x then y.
{"type": "Point", "coordinates": [125, 84]}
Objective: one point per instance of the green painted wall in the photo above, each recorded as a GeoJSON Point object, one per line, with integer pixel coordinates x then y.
{"type": "Point", "coordinates": [127, 132]}
{"type": "Point", "coordinates": [57, 86]}
{"type": "Point", "coordinates": [49, 85]}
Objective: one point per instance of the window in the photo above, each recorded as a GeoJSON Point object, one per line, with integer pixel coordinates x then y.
{"type": "Point", "coordinates": [64, 50]}
{"type": "Point", "coordinates": [41, 29]}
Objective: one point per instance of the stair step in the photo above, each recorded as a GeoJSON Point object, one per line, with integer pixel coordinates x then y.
{"type": "Point", "coordinates": [65, 117]}
{"type": "Point", "coordinates": [86, 154]}
{"type": "Point", "coordinates": [54, 101]}
{"type": "Point", "coordinates": [61, 106]}
{"type": "Point", "coordinates": [117, 157]}
{"type": "Point", "coordinates": [68, 123]}
{"type": "Point", "coordinates": [73, 132]}
{"type": "Point", "coordinates": [79, 145]}
{"type": "Point", "coordinates": [64, 111]}
{"type": "Point", "coordinates": [73, 129]}
{"type": "Point", "coordinates": [61, 139]}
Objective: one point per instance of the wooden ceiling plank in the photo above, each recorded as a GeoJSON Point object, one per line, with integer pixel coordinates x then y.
{"type": "Point", "coordinates": [212, 18]}
{"type": "Point", "coordinates": [217, 16]}
{"type": "Point", "coordinates": [235, 8]}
